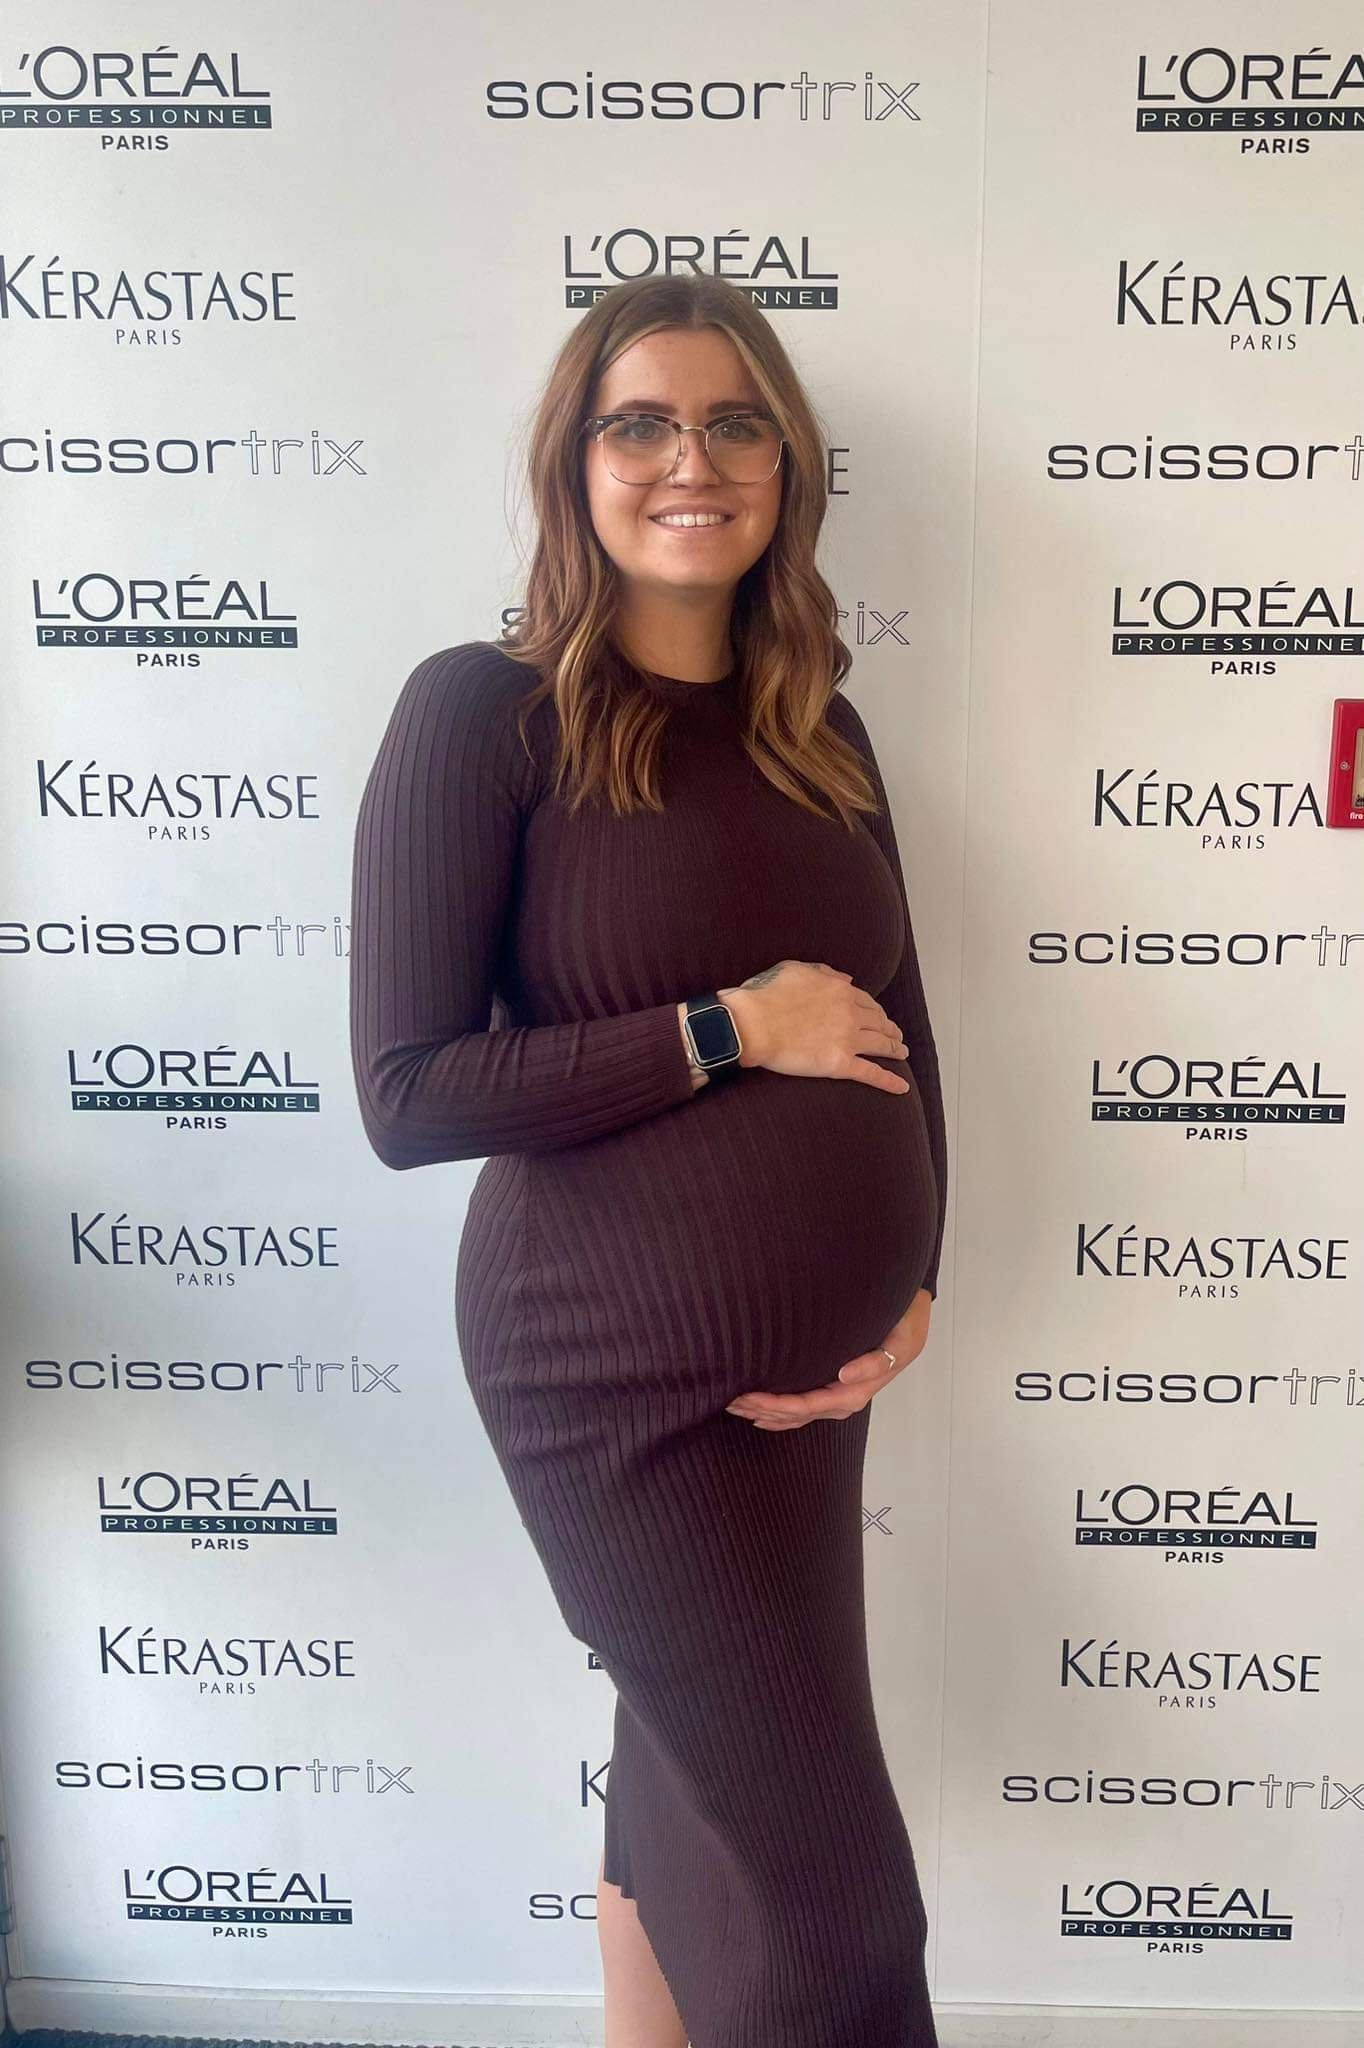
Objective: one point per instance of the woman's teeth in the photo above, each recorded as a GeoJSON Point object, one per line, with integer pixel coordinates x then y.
{"type": "Point", "coordinates": [690, 518]}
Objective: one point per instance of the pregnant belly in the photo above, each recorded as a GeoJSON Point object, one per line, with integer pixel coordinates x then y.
{"type": "Point", "coordinates": [758, 1235]}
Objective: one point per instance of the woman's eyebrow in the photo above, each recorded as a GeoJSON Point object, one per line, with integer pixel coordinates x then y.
{"type": "Point", "coordinates": [662, 405]}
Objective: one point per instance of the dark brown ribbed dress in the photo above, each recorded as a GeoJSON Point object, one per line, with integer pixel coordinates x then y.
{"type": "Point", "coordinates": [635, 1254]}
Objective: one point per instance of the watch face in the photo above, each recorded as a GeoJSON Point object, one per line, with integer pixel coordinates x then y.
{"type": "Point", "coordinates": [713, 1034]}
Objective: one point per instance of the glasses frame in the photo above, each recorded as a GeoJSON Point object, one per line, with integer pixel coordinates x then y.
{"type": "Point", "coordinates": [598, 423]}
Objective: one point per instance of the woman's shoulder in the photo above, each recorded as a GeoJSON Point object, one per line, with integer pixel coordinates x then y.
{"type": "Point", "coordinates": [473, 688]}
{"type": "Point", "coordinates": [842, 714]}
{"type": "Point", "coordinates": [481, 671]}
{"type": "Point", "coordinates": [460, 707]}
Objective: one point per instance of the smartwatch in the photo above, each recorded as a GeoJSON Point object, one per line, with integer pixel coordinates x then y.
{"type": "Point", "coordinates": [712, 1035]}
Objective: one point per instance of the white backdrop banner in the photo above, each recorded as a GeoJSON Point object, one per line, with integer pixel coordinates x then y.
{"type": "Point", "coordinates": [285, 1699]}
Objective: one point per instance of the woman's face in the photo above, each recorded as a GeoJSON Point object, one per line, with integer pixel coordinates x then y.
{"type": "Point", "coordinates": [693, 375]}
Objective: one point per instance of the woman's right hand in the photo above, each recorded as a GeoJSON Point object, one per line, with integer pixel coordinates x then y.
{"type": "Point", "coordinates": [804, 1017]}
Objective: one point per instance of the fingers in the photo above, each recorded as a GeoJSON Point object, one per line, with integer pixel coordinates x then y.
{"type": "Point", "coordinates": [863, 1070]}
{"type": "Point", "coordinates": [792, 1411]}
{"type": "Point", "coordinates": [883, 1026]}
{"type": "Point", "coordinates": [871, 1366]}
{"type": "Point", "coordinates": [798, 1421]}
{"type": "Point", "coordinates": [891, 1041]}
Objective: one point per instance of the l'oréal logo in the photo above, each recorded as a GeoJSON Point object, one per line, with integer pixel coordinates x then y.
{"type": "Point", "coordinates": [221, 1506]}
{"type": "Point", "coordinates": [188, 1087]}
{"type": "Point", "coordinates": [777, 272]}
{"type": "Point", "coordinates": [1212, 1097]}
{"type": "Point", "coordinates": [1258, 623]}
{"type": "Point", "coordinates": [261, 1896]}
{"type": "Point", "coordinates": [1163, 1915]}
{"type": "Point", "coordinates": [1139, 1515]}
{"type": "Point", "coordinates": [95, 610]}
{"type": "Point", "coordinates": [129, 92]}
{"type": "Point", "coordinates": [1262, 95]}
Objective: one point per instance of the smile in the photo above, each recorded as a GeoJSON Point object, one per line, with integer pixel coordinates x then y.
{"type": "Point", "coordinates": [691, 519]}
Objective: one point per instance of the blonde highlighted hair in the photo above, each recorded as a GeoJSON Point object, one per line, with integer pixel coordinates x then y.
{"type": "Point", "coordinates": [787, 651]}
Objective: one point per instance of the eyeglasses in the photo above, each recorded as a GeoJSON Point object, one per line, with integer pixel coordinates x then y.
{"type": "Point", "coordinates": [644, 447]}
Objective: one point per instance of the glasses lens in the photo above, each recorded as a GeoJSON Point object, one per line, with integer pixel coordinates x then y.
{"type": "Point", "coordinates": [640, 450]}
{"type": "Point", "coordinates": [745, 450]}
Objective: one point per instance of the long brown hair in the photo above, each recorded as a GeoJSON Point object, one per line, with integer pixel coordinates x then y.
{"type": "Point", "coordinates": [787, 651]}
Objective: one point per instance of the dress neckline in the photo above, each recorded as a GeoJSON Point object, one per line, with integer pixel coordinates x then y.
{"type": "Point", "coordinates": [682, 690]}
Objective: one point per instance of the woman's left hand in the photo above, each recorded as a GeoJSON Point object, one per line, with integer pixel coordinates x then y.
{"type": "Point", "coordinates": [857, 1381]}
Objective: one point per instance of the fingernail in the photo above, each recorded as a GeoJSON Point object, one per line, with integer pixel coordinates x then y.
{"type": "Point", "coordinates": [845, 1372]}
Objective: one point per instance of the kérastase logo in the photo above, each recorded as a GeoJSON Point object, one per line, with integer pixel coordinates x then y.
{"type": "Point", "coordinates": [1226, 819]}
{"type": "Point", "coordinates": [149, 310]}
{"type": "Point", "coordinates": [217, 1666]}
{"type": "Point", "coordinates": [1195, 1679]}
{"type": "Point", "coordinates": [176, 807]}
{"type": "Point", "coordinates": [1205, 1267]}
{"type": "Point", "coordinates": [207, 1255]}
{"type": "Point", "coordinates": [1260, 315]}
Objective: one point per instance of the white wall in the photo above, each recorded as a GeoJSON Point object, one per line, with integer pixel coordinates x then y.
{"type": "Point", "coordinates": [966, 248]}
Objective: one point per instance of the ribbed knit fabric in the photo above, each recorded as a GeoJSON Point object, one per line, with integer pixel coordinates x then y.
{"type": "Point", "coordinates": [635, 1254]}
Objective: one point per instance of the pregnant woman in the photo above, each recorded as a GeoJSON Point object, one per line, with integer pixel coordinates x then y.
{"type": "Point", "coordinates": [629, 926]}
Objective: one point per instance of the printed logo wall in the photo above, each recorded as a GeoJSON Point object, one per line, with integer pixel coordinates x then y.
{"type": "Point", "coordinates": [285, 1699]}
{"type": "Point", "coordinates": [1151, 1791]}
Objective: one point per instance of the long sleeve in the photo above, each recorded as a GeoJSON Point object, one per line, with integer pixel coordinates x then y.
{"type": "Point", "coordinates": [903, 999]}
{"type": "Point", "coordinates": [436, 850]}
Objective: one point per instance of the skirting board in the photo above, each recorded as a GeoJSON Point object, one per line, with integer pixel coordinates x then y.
{"type": "Point", "coordinates": [537, 2022]}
